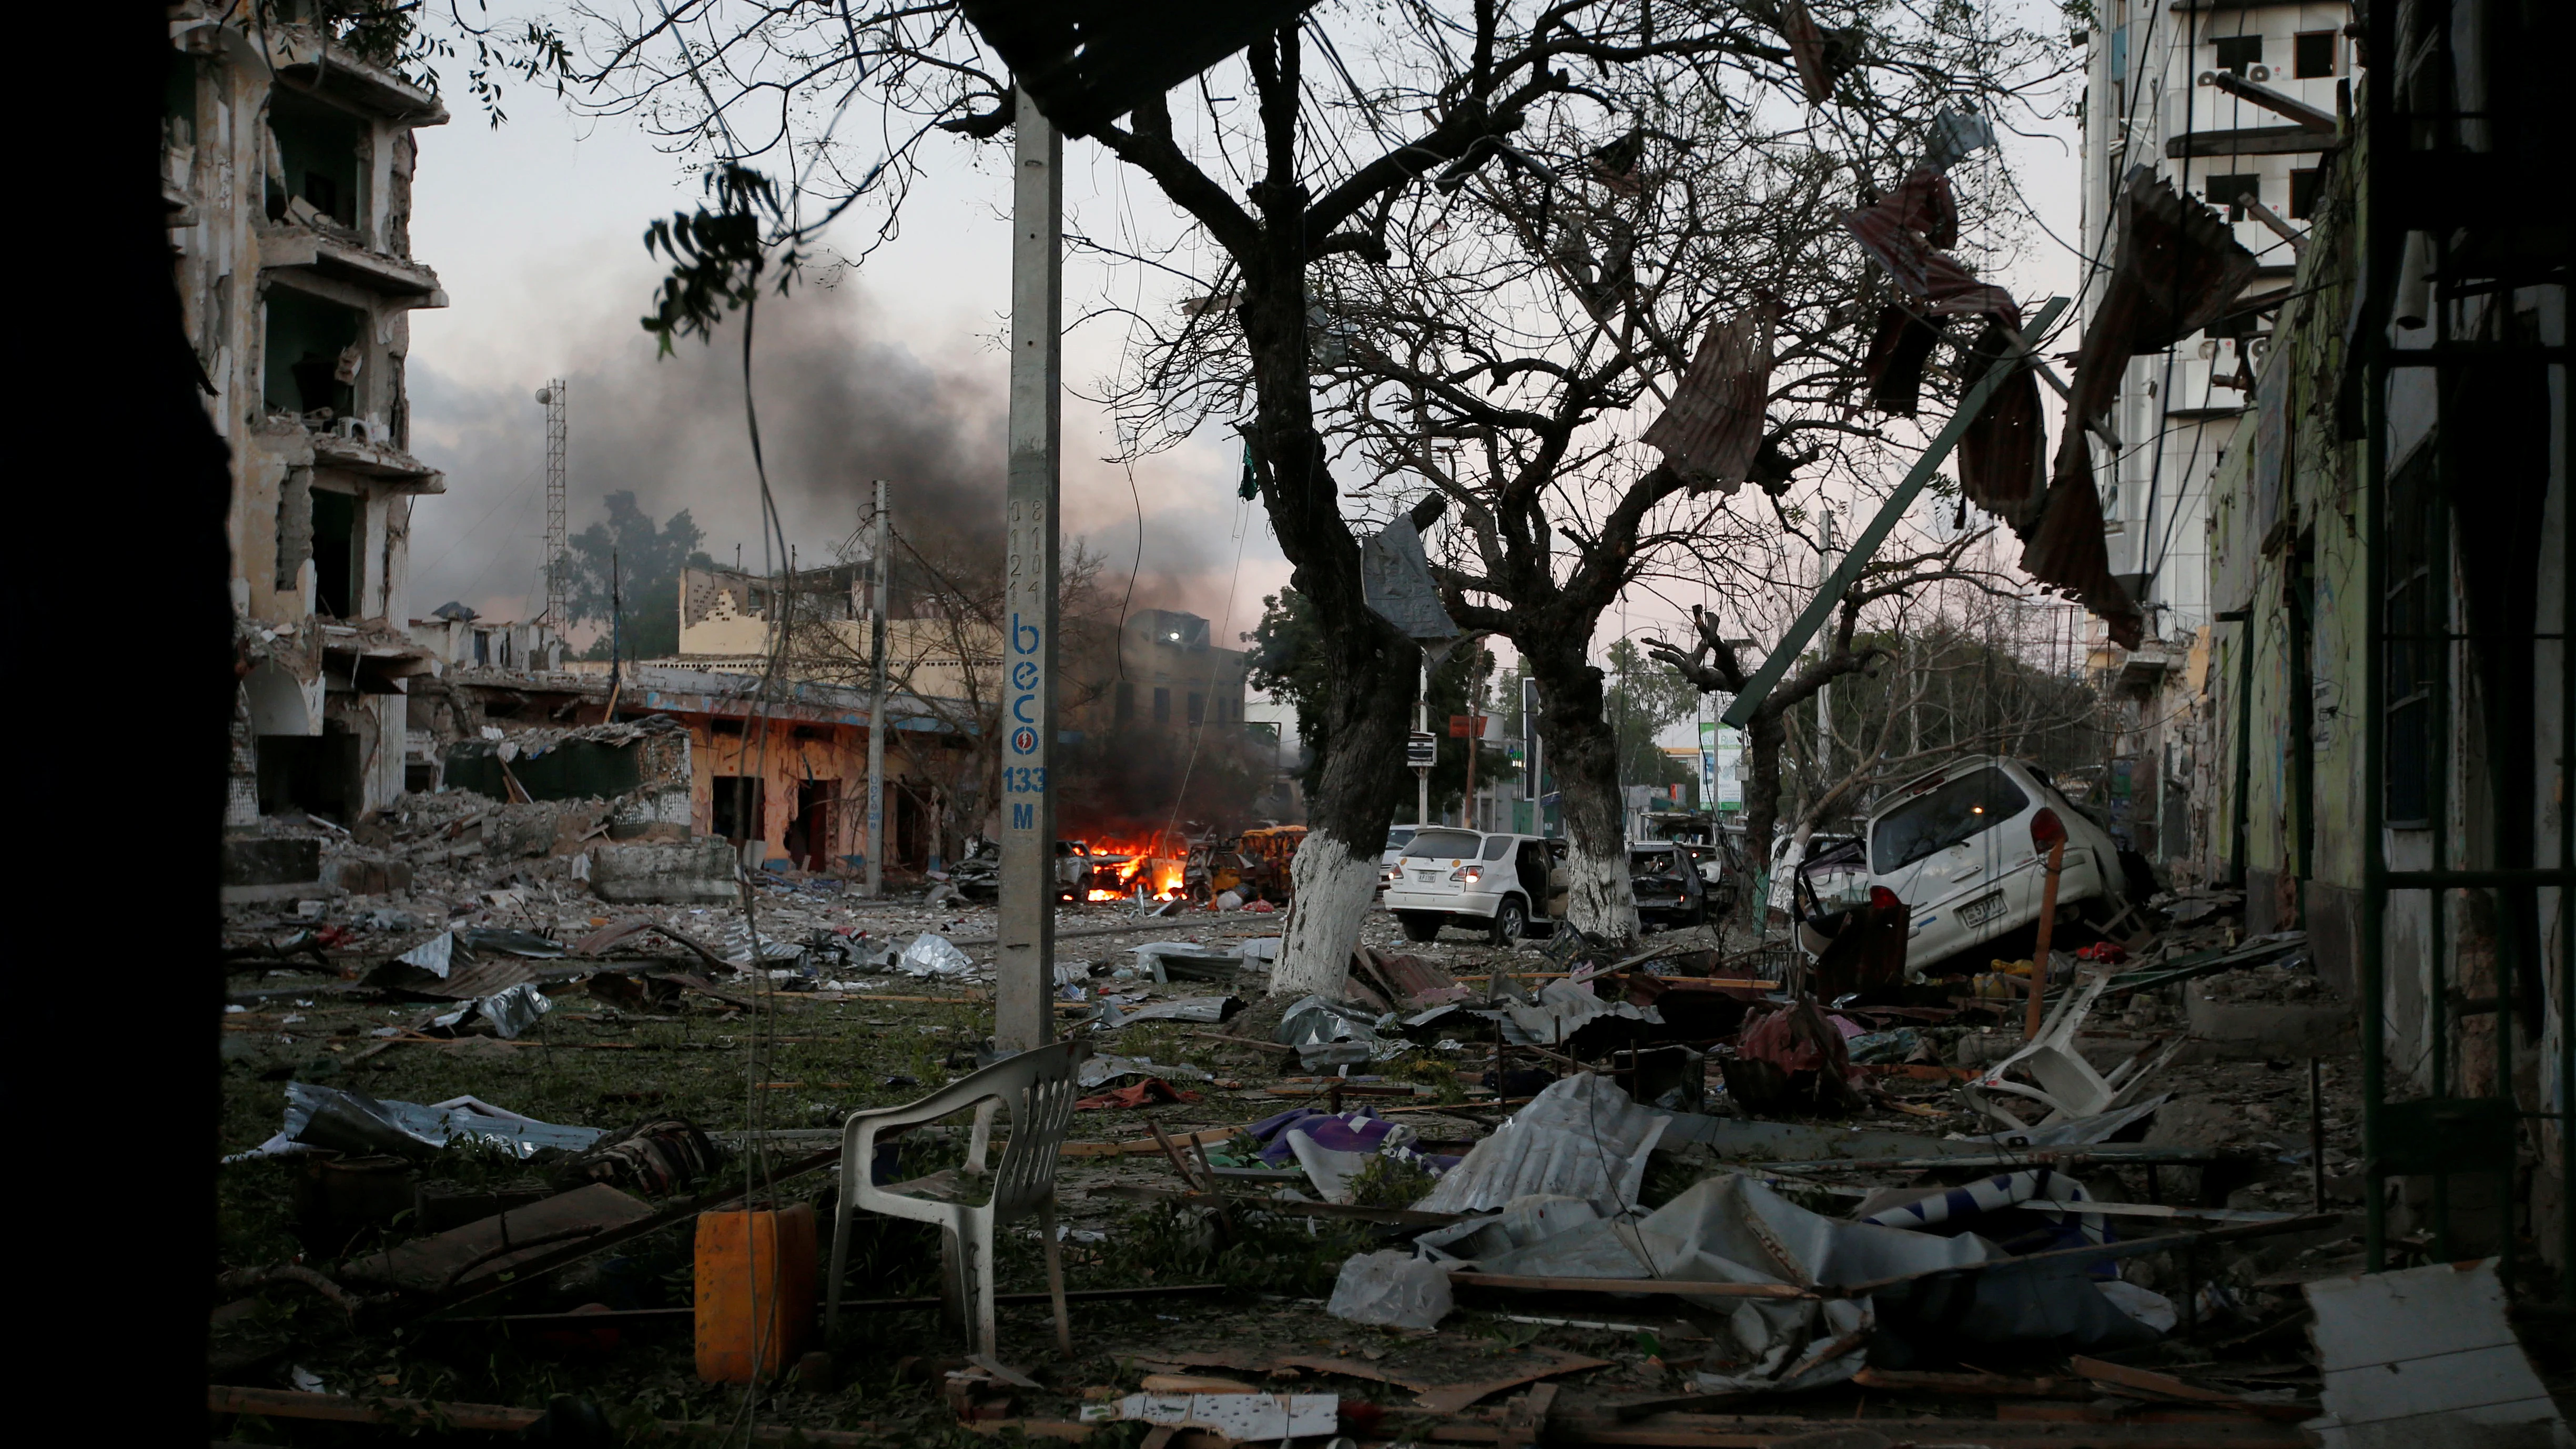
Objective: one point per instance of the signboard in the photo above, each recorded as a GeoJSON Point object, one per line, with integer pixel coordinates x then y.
{"type": "Point", "coordinates": [1421, 751]}
{"type": "Point", "coordinates": [1532, 757]}
{"type": "Point", "coordinates": [1721, 753]}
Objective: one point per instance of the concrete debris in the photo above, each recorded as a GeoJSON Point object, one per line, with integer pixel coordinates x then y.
{"type": "Point", "coordinates": [2424, 1358]}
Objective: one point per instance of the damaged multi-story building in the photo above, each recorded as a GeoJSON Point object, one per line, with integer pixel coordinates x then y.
{"type": "Point", "coordinates": [287, 173]}
{"type": "Point", "coordinates": [2224, 101]}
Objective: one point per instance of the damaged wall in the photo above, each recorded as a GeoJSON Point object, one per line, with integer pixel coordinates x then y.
{"type": "Point", "coordinates": [2291, 542]}
{"type": "Point", "coordinates": [287, 164]}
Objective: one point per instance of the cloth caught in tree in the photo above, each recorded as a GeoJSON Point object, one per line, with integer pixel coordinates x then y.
{"type": "Point", "coordinates": [1713, 429]}
{"type": "Point", "coordinates": [2177, 268]}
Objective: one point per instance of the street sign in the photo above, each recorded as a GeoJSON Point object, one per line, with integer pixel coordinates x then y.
{"type": "Point", "coordinates": [1421, 751]}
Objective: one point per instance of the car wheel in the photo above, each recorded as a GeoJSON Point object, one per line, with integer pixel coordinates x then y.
{"type": "Point", "coordinates": [1419, 925]}
{"type": "Point", "coordinates": [1510, 919]}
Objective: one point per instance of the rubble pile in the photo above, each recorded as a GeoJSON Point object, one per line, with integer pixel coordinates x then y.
{"type": "Point", "coordinates": [1635, 1193]}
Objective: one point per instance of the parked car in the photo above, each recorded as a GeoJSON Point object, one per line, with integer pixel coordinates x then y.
{"type": "Point", "coordinates": [1965, 847]}
{"type": "Point", "coordinates": [1496, 883]}
{"type": "Point", "coordinates": [1667, 884]}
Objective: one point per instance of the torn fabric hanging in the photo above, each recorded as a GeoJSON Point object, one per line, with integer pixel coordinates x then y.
{"type": "Point", "coordinates": [1713, 428]}
{"type": "Point", "coordinates": [2177, 268]}
{"type": "Point", "coordinates": [2003, 456]}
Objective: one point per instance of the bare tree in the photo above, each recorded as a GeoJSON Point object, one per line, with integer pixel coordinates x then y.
{"type": "Point", "coordinates": [1717, 665]}
{"type": "Point", "coordinates": [1314, 169]}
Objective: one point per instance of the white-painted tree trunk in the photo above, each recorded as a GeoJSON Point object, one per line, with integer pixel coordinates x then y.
{"type": "Point", "coordinates": [1333, 886]}
{"type": "Point", "coordinates": [1600, 898]}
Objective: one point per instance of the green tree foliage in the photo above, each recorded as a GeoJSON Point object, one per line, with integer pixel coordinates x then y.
{"type": "Point", "coordinates": [1643, 699]}
{"type": "Point", "coordinates": [648, 564]}
{"type": "Point", "coordinates": [1288, 660]}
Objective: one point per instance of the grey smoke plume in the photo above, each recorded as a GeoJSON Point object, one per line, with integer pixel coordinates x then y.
{"type": "Point", "coordinates": [843, 399]}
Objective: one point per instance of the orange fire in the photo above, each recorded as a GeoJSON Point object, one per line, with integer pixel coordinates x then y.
{"type": "Point", "coordinates": [1161, 873]}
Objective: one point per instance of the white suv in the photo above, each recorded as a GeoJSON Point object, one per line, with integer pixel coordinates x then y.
{"type": "Point", "coordinates": [1966, 849]}
{"type": "Point", "coordinates": [1494, 883]}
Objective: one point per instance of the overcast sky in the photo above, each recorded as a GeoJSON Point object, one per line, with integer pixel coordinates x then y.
{"type": "Point", "coordinates": [892, 371]}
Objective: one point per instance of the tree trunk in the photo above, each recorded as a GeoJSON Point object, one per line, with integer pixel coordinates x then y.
{"type": "Point", "coordinates": [1584, 753]}
{"type": "Point", "coordinates": [1762, 742]}
{"type": "Point", "coordinates": [1334, 876]}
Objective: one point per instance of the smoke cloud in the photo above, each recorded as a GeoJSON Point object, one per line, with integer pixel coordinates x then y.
{"type": "Point", "coordinates": [845, 396]}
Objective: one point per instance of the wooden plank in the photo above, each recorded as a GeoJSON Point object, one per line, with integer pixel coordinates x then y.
{"type": "Point", "coordinates": [1529, 1284]}
{"type": "Point", "coordinates": [1991, 1386]}
{"type": "Point", "coordinates": [1398, 1217]}
{"type": "Point", "coordinates": [1715, 1431]}
{"type": "Point", "coordinates": [1140, 1144]}
{"type": "Point", "coordinates": [481, 1418]}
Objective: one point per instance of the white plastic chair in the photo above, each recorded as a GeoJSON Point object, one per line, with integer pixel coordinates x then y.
{"type": "Point", "coordinates": [2068, 1085]}
{"type": "Point", "coordinates": [1039, 1089]}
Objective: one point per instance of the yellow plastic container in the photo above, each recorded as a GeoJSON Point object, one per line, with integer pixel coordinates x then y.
{"type": "Point", "coordinates": [755, 1292]}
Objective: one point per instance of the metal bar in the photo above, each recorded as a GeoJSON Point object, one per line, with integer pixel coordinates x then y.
{"type": "Point", "coordinates": [2308, 116]}
{"type": "Point", "coordinates": [1865, 546]}
{"type": "Point", "coordinates": [2381, 23]}
{"type": "Point", "coordinates": [1025, 961]}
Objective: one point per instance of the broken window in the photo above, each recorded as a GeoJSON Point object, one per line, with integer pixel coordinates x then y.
{"type": "Point", "coordinates": [1162, 705]}
{"type": "Point", "coordinates": [1198, 707]}
{"type": "Point", "coordinates": [2306, 185]}
{"type": "Point", "coordinates": [321, 151]}
{"type": "Point", "coordinates": [737, 807]}
{"type": "Point", "coordinates": [317, 774]}
{"type": "Point", "coordinates": [1126, 701]}
{"type": "Point", "coordinates": [1960, 810]}
{"type": "Point", "coordinates": [337, 549]}
{"type": "Point", "coordinates": [2239, 53]}
{"type": "Point", "coordinates": [314, 352]}
{"type": "Point", "coordinates": [1444, 844]}
{"type": "Point", "coordinates": [2225, 191]}
{"type": "Point", "coordinates": [179, 102]}
{"type": "Point", "coordinates": [2312, 54]}
{"type": "Point", "coordinates": [723, 726]}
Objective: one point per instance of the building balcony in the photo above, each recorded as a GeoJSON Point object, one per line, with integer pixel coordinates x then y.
{"type": "Point", "coordinates": [343, 258]}
{"type": "Point", "coordinates": [353, 450]}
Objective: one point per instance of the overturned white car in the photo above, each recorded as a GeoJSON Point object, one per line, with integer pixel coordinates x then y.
{"type": "Point", "coordinates": [1965, 847]}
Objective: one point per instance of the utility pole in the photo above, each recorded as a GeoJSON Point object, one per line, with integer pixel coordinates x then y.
{"type": "Point", "coordinates": [616, 645]}
{"type": "Point", "coordinates": [1422, 772]}
{"type": "Point", "coordinates": [877, 562]}
{"type": "Point", "coordinates": [1825, 694]}
{"type": "Point", "coordinates": [552, 396]}
{"type": "Point", "coordinates": [1024, 967]}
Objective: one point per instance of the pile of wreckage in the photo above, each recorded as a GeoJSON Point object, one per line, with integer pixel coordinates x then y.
{"type": "Point", "coordinates": [1676, 1170]}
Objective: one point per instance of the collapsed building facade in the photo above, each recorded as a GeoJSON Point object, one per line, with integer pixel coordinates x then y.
{"type": "Point", "coordinates": [287, 170]}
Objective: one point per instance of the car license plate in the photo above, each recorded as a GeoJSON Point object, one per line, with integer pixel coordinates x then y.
{"type": "Point", "coordinates": [1982, 910]}
{"type": "Point", "coordinates": [1426, 875]}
